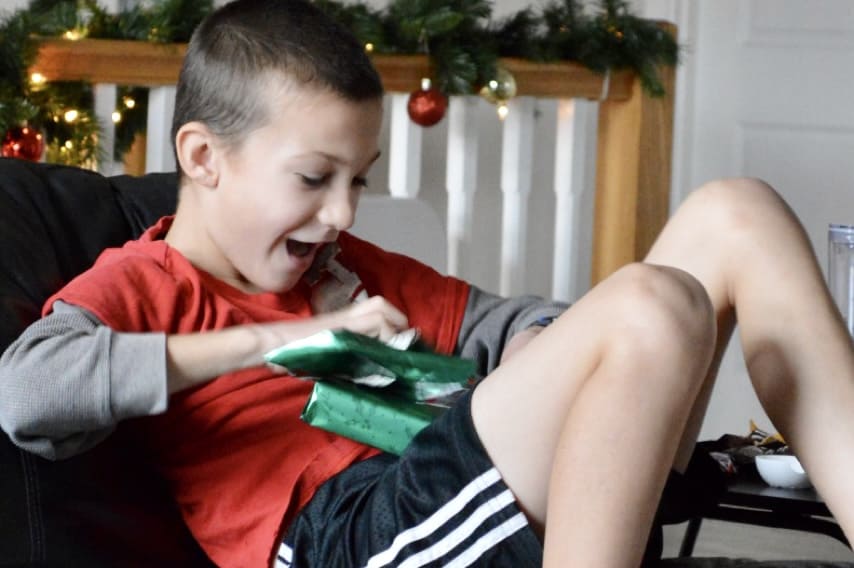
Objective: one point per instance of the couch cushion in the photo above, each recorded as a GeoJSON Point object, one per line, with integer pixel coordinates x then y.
{"type": "Point", "coordinates": [100, 508]}
{"type": "Point", "coordinates": [55, 222]}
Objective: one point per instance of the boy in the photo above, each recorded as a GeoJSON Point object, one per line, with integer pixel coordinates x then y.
{"type": "Point", "coordinates": [557, 457]}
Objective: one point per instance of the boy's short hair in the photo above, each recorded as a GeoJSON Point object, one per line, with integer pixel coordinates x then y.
{"type": "Point", "coordinates": [240, 49]}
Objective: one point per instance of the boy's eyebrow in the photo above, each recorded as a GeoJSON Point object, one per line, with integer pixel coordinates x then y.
{"type": "Point", "coordinates": [371, 161]}
{"type": "Point", "coordinates": [335, 159]}
{"type": "Point", "coordinates": [375, 158]}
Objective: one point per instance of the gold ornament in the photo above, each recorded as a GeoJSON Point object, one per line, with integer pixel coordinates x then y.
{"type": "Point", "coordinates": [499, 90]}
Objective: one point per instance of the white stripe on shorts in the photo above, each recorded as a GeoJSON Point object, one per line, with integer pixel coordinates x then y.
{"type": "Point", "coordinates": [488, 541]}
{"type": "Point", "coordinates": [462, 532]}
{"type": "Point", "coordinates": [437, 519]}
{"type": "Point", "coordinates": [284, 557]}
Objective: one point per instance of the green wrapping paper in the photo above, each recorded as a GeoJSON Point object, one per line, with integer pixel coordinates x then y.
{"type": "Point", "coordinates": [400, 390]}
{"type": "Point", "coordinates": [345, 354]}
{"type": "Point", "coordinates": [367, 415]}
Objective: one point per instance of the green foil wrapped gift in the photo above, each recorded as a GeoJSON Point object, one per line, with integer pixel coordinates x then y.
{"type": "Point", "coordinates": [367, 415]}
{"type": "Point", "coordinates": [372, 392]}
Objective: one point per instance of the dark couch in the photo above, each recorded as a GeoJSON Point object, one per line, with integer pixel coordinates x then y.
{"type": "Point", "coordinates": [100, 508]}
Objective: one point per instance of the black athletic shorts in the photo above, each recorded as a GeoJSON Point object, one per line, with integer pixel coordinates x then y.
{"type": "Point", "coordinates": [441, 503]}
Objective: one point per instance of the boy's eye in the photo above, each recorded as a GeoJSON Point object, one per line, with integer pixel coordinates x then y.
{"type": "Point", "coordinates": [360, 182]}
{"type": "Point", "coordinates": [312, 181]}
{"type": "Point", "coordinates": [319, 181]}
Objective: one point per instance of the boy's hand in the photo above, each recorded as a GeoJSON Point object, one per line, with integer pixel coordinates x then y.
{"type": "Point", "coordinates": [375, 317]}
{"type": "Point", "coordinates": [195, 358]}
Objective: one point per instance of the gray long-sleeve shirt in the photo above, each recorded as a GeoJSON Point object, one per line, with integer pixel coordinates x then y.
{"type": "Point", "coordinates": [68, 379]}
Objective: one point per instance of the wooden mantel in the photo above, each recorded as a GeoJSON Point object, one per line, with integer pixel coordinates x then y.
{"type": "Point", "coordinates": [634, 137]}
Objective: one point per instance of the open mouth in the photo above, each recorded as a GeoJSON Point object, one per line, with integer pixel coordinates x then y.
{"type": "Point", "coordinates": [299, 248]}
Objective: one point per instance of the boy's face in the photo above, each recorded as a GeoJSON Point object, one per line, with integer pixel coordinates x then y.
{"type": "Point", "coordinates": [289, 188]}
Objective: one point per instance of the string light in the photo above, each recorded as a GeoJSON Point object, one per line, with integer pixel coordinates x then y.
{"type": "Point", "coordinates": [73, 35]}
{"type": "Point", "coordinates": [369, 47]}
{"type": "Point", "coordinates": [129, 102]}
{"type": "Point", "coordinates": [69, 144]}
{"type": "Point", "coordinates": [71, 115]}
{"type": "Point", "coordinates": [502, 109]}
{"type": "Point", "coordinates": [117, 117]}
{"type": "Point", "coordinates": [38, 79]}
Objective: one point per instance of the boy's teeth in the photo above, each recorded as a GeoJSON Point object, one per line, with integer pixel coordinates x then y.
{"type": "Point", "coordinates": [299, 248]}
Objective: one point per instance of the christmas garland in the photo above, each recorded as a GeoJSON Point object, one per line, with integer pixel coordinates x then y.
{"type": "Point", "coordinates": [62, 112]}
{"type": "Point", "coordinates": [459, 36]}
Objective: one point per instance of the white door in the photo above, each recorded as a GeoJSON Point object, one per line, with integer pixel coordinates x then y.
{"type": "Point", "coordinates": [767, 90]}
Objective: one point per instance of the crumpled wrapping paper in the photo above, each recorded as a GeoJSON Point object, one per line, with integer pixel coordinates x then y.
{"type": "Point", "coordinates": [373, 392]}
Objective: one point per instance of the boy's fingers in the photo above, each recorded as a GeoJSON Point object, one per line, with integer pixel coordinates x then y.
{"type": "Point", "coordinates": [387, 311]}
{"type": "Point", "coordinates": [386, 332]}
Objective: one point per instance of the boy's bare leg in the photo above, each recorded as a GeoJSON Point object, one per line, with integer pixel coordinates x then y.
{"type": "Point", "coordinates": [691, 433]}
{"type": "Point", "coordinates": [583, 422]}
{"type": "Point", "coordinates": [746, 247]}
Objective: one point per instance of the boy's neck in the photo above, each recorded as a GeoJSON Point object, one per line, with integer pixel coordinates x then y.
{"type": "Point", "coordinates": [183, 233]}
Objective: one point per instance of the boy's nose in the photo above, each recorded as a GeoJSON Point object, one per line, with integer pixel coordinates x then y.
{"type": "Point", "coordinates": [339, 209]}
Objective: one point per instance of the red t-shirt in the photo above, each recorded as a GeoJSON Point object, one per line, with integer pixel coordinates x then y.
{"type": "Point", "coordinates": [239, 460]}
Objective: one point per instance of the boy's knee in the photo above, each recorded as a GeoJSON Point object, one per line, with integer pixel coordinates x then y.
{"type": "Point", "coordinates": [736, 205]}
{"type": "Point", "coordinates": [736, 191]}
{"type": "Point", "coordinates": [664, 307]}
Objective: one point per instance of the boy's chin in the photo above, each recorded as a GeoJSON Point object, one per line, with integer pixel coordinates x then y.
{"type": "Point", "coordinates": [282, 285]}
{"type": "Point", "coordinates": [270, 285]}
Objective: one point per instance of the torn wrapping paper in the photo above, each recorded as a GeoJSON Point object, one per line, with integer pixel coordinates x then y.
{"type": "Point", "coordinates": [380, 394]}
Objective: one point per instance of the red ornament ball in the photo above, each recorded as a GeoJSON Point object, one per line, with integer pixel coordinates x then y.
{"type": "Point", "coordinates": [24, 142]}
{"type": "Point", "coordinates": [427, 105]}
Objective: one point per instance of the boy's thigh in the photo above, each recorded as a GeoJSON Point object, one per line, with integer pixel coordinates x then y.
{"type": "Point", "coordinates": [441, 503]}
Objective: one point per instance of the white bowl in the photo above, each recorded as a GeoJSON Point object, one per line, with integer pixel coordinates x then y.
{"type": "Point", "coordinates": [782, 471]}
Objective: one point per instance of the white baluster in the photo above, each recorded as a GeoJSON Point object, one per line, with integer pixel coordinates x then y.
{"type": "Point", "coordinates": [516, 166]}
{"type": "Point", "coordinates": [404, 176]}
{"type": "Point", "coordinates": [575, 148]}
{"type": "Point", "coordinates": [461, 179]}
{"type": "Point", "coordinates": [104, 95]}
{"type": "Point", "coordinates": [158, 146]}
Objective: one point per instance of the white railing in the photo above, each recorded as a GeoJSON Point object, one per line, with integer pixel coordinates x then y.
{"type": "Point", "coordinates": [630, 194]}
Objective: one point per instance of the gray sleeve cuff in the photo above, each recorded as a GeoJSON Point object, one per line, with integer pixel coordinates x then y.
{"type": "Point", "coordinates": [490, 321]}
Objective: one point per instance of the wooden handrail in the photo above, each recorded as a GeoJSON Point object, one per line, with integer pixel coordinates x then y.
{"type": "Point", "coordinates": [126, 62]}
{"type": "Point", "coordinates": [635, 132]}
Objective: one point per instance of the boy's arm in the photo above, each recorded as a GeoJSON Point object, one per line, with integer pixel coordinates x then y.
{"type": "Point", "coordinates": [196, 358]}
{"type": "Point", "coordinates": [491, 321]}
{"type": "Point", "coordinates": [67, 380]}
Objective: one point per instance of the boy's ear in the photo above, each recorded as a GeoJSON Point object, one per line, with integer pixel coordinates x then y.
{"type": "Point", "coordinates": [195, 150]}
